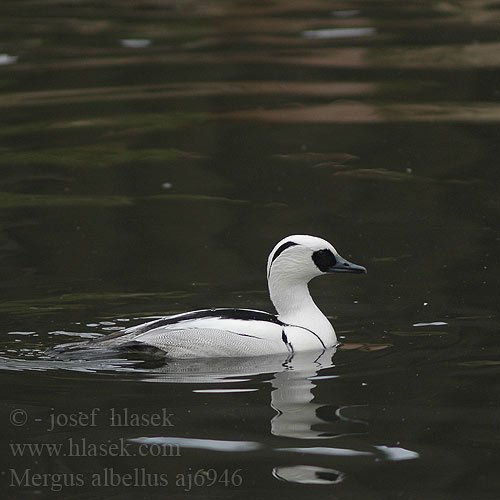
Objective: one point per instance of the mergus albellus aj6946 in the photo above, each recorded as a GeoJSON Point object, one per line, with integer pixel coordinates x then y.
{"type": "Point", "coordinates": [298, 326]}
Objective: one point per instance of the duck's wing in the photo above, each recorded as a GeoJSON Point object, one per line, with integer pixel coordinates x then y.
{"type": "Point", "coordinates": [207, 333]}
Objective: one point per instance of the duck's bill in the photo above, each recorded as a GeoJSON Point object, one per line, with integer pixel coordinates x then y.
{"type": "Point", "coordinates": [344, 266]}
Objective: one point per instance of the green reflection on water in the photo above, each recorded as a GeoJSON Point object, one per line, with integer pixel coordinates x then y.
{"type": "Point", "coordinates": [15, 200]}
{"type": "Point", "coordinates": [129, 123]}
{"type": "Point", "coordinates": [72, 301]}
{"type": "Point", "coordinates": [102, 156]}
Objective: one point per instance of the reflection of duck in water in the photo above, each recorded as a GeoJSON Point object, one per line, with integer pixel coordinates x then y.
{"type": "Point", "coordinates": [294, 378]}
{"type": "Point", "coordinates": [298, 326]}
{"type": "Point", "coordinates": [293, 399]}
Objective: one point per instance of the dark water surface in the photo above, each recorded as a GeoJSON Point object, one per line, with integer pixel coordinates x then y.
{"type": "Point", "coordinates": [151, 155]}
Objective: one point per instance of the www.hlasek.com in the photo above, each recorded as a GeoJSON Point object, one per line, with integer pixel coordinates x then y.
{"type": "Point", "coordinates": [82, 447]}
{"type": "Point", "coordinates": [137, 477]}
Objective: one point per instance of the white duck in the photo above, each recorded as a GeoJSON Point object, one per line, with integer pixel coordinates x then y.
{"type": "Point", "coordinates": [298, 326]}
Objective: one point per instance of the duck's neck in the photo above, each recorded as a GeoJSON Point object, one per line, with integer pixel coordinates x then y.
{"type": "Point", "coordinates": [295, 306]}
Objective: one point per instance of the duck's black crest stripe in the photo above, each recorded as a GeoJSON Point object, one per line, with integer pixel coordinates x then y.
{"type": "Point", "coordinates": [241, 314]}
{"type": "Point", "coordinates": [281, 249]}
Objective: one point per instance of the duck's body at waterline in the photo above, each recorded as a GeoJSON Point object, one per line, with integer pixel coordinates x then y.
{"type": "Point", "coordinates": [298, 326]}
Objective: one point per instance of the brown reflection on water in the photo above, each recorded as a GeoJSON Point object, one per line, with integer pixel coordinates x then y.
{"type": "Point", "coordinates": [454, 56]}
{"type": "Point", "coordinates": [357, 112]}
{"type": "Point", "coordinates": [307, 53]}
{"type": "Point", "coordinates": [193, 89]}
{"type": "Point", "coordinates": [304, 53]}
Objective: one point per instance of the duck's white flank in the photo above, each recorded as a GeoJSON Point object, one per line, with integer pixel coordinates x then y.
{"type": "Point", "coordinates": [298, 326]}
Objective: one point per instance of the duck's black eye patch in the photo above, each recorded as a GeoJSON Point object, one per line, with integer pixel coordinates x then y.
{"type": "Point", "coordinates": [324, 260]}
{"type": "Point", "coordinates": [282, 248]}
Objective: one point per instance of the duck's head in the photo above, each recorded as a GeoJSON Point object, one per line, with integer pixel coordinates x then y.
{"type": "Point", "coordinates": [301, 257]}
